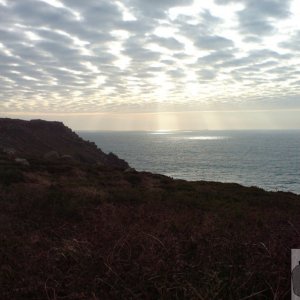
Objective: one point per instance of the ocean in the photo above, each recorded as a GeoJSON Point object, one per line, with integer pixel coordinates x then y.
{"type": "Point", "coordinates": [266, 159]}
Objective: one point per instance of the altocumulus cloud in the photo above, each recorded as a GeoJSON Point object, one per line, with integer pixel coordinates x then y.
{"type": "Point", "coordinates": [138, 55]}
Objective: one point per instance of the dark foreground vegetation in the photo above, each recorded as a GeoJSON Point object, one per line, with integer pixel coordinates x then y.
{"type": "Point", "coordinates": [76, 223]}
{"type": "Point", "coordinates": [75, 231]}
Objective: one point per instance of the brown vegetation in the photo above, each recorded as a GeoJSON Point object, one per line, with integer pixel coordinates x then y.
{"type": "Point", "coordinates": [37, 138]}
{"type": "Point", "coordinates": [75, 231]}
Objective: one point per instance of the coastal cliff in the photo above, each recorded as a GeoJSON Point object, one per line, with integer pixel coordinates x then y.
{"type": "Point", "coordinates": [37, 138]}
{"type": "Point", "coordinates": [79, 229]}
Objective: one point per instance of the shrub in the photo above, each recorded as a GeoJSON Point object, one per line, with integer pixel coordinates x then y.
{"type": "Point", "coordinates": [10, 175]}
{"type": "Point", "coordinates": [58, 204]}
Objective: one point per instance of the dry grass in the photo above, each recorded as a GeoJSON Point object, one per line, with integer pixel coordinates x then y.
{"type": "Point", "coordinates": [77, 232]}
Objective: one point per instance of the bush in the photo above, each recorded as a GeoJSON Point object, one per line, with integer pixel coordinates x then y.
{"type": "Point", "coordinates": [134, 179]}
{"type": "Point", "coordinates": [58, 204]}
{"type": "Point", "coordinates": [10, 175]}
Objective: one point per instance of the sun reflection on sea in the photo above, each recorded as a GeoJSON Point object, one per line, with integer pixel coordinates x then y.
{"type": "Point", "coordinates": [204, 138]}
{"type": "Point", "coordinates": [162, 132]}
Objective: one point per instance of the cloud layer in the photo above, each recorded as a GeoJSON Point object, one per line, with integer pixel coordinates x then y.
{"type": "Point", "coordinates": [139, 55]}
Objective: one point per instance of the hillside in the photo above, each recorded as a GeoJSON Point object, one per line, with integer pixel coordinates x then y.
{"type": "Point", "coordinates": [36, 138]}
{"type": "Point", "coordinates": [74, 230]}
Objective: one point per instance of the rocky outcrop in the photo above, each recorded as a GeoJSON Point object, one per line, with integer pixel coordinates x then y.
{"type": "Point", "coordinates": [22, 161]}
{"type": "Point", "coordinates": [36, 138]}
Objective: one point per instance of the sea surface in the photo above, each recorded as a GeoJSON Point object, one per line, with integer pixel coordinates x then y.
{"type": "Point", "coordinates": [267, 159]}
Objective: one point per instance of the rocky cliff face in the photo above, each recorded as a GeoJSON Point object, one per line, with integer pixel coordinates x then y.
{"type": "Point", "coordinates": [35, 138]}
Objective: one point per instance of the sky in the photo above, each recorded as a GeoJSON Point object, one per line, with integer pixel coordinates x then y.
{"type": "Point", "coordinates": [152, 65]}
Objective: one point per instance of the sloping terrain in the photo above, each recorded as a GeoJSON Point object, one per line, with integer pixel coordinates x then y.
{"type": "Point", "coordinates": [73, 230]}
{"type": "Point", "coordinates": [36, 138]}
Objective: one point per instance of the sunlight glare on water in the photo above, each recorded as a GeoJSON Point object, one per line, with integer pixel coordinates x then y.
{"type": "Point", "coordinates": [160, 132]}
{"type": "Point", "coordinates": [203, 138]}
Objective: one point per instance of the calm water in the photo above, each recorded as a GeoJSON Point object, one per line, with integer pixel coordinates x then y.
{"type": "Point", "coordinates": [268, 159]}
